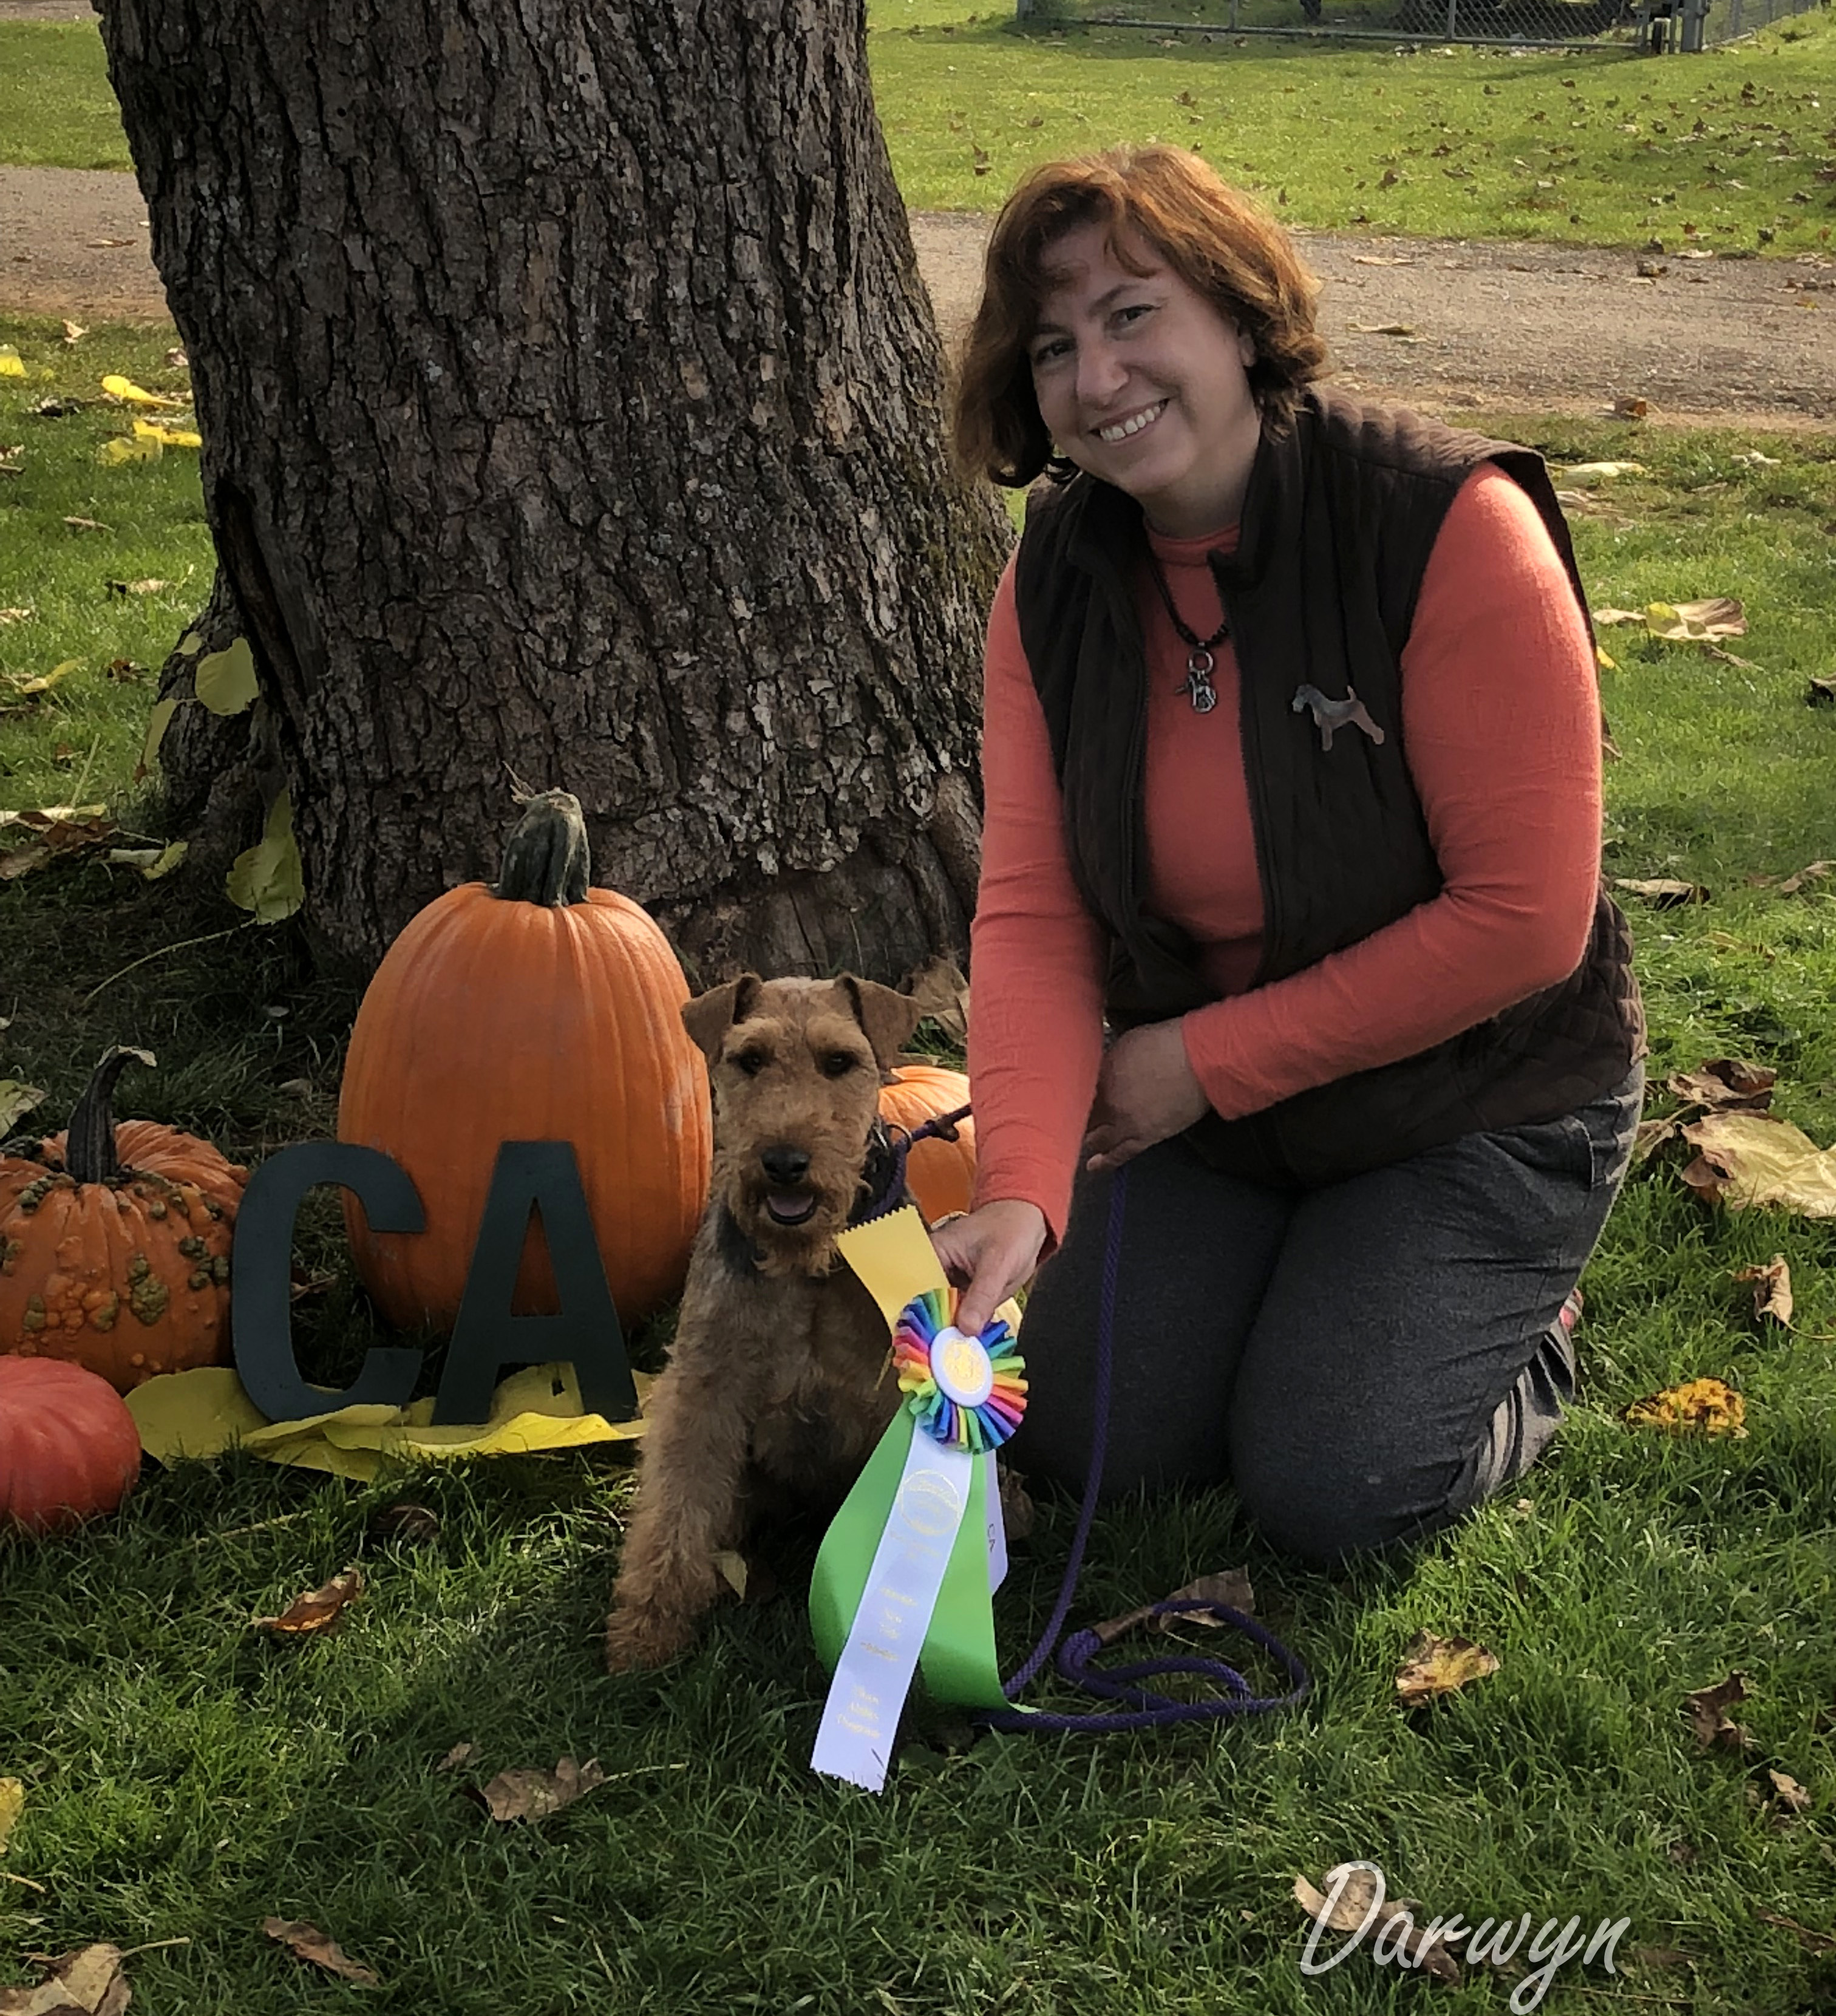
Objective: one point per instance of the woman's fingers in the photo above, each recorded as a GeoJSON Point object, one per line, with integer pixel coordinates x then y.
{"type": "Point", "coordinates": [993, 1251]}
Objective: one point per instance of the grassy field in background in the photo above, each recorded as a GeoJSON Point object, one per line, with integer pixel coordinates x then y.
{"type": "Point", "coordinates": [1722, 150]}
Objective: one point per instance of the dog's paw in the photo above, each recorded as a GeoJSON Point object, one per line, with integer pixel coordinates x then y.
{"type": "Point", "coordinates": [637, 1638]}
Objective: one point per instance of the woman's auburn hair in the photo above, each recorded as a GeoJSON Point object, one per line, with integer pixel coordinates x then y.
{"type": "Point", "coordinates": [1217, 240]}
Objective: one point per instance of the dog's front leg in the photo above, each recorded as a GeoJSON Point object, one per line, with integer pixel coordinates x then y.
{"type": "Point", "coordinates": [691, 1470]}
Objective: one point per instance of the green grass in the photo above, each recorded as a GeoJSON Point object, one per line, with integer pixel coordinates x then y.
{"type": "Point", "coordinates": [56, 109]}
{"type": "Point", "coordinates": [185, 1779]}
{"type": "Point", "coordinates": [1723, 149]}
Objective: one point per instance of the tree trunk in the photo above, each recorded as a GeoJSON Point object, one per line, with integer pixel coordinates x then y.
{"type": "Point", "coordinates": [571, 414]}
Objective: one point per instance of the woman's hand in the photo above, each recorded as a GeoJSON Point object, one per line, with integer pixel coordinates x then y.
{"type": "Point", "coordinates": [1145, 1092]}
{"type": "Point", "coordinates": [989, 1253]}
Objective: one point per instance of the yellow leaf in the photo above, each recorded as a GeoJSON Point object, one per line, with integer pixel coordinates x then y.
{"type": "Point", "coordinates": [1606, 664]}
{"type": "Point", "coordinates": [266, 878]}
{"type": "Point", "coordinates": [224, 680]}
{"type": "Point", "coordinates": [16, 1100]}
{"type": "Point", "coordinates": [1744, 1159]}
{"type": "Point", "coordinates": [168, 437]}
{"type": "Point", "coordinates": [10, 364]}
{"type": "Point", "coordinates": [1696, 622]}
{"type": "Point", "coordinates": [157, 723]}
{"type": "Point", "coordinates": [1706, 1405]}
{"type": "Point", "coordinates": [125, 388]}
{"type": "Point", "coordinates": [45, 681]}
{"type": "Point", "coordinates": [153, 862]}
{"type": "Point", "coordinates": [13, 1803]}
{"type": "Point", "coordinates": [1432, 1666]}
{"type": "Point", "coordinates": [125, 448]}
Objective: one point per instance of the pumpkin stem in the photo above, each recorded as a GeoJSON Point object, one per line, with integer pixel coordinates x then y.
{"type": "Point", "coordinates": [546, 859]}
{"type": "Point", "coordinates": [89, 1154]}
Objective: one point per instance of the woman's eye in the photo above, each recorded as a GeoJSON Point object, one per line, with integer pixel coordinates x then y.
{"type": "Point", "coordinates": [1049, 353]}
{"type": "Point", "coordinates": [1134, 311]}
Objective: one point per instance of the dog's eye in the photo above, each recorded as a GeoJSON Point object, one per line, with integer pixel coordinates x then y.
{"type": "Point", "coordinates": [752, 1062]}
{"type": "Point", "coordinates": [838, 1063]}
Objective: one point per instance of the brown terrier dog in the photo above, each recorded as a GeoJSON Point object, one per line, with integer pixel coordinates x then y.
{"type": "Point", "coordinates": [777, 1385]}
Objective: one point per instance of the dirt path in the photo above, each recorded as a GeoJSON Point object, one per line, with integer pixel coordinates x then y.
{"type": "Point", "coordinates": [1446, 323]}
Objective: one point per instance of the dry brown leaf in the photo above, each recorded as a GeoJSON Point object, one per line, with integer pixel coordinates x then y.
{"type": "Point", "coordinates": [404, 1525]}
{"type": "Point", "coordinates": [1706, 1406]}
{"type": "Point", "coordinates": [1651, 1136]}
{"type": "Point", "coordinates": [1433, 1666]}
{"type": "Point", "coordinates": [1628, 407]}
{"type": "Point", "coordinates": [317, 1611]}
{"type": "Point", "coordinates": [1815, 871]}
{"type": "Point", "coordinates": [74, 331]}
{"type": "Point", "coordinates": [1715, 616]}
{"type": "Point", "coordinates": [1383, 328]}
{"type": "Point", "coordinates": [534, 1795]}
{"type": "Point", "coordinates": [1661, 892]}
{"type": "Point", "coordinates": [147, 587]}
{"type": "Point", "coordinates": [1707, 1709]}
{"type": "Point", "coordinates": [16, 616]}
{"type": "Point", "coordinates": [87, 1983]}
{"type": "Point", "coordinates": [87, 525]}
{"type": "Point", "coordinates": [1229, 1587]}
{"type": "Point", "coordinates": [1822, 1942]}
{"type": "Point", "coordinates": [1724, 1084]}
{"type": "Point", "coordinates": [942, 993]}
{"type": "Point", "coordinates": [1771, 1290]}
{"type": "Point", "coordinates": [1787, 1793]}
{"type": "Point", "coordinates": [1346, 1910]}
{"type": "Point", "coordinates": [1744, 1159]}
{"type": "Point", "coordinates": [308, 1943]}
{"type": "Point", "coordinates": [460, 1753]}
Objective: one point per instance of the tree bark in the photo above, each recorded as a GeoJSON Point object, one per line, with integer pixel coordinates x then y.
{"type": "Point", "coordinates": [572, 417]}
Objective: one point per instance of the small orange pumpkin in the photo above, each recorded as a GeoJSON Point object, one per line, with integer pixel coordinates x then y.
{"type": "Point", "coordinates": [69, 1449]}
{"type": "Point", "coordinates": [540, 1009]}
{"type": "Point", "coordinates": [114, 1243]}
{"type": "Point", "coordinates": [940, 1173]}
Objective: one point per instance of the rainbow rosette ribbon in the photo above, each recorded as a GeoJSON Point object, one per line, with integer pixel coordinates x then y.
{"type": "Point", "coordinates": [966, 1393]}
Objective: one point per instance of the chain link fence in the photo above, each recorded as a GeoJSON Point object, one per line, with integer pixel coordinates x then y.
{"type": "Point", "coordinates": [1653, 27]}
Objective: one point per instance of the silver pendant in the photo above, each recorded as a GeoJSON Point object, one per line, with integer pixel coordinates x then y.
{"type": "Point", "coordinates": [1196, 684]}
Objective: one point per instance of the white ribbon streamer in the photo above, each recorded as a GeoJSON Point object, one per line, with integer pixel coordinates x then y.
{"type": "Point", "coordinates": [874, 1673]}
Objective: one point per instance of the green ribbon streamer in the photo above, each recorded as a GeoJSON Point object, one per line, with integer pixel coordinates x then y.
{"type": "Point", "coordinates": [958, 1657]}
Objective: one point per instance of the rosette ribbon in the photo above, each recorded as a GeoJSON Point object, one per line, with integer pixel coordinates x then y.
{"type": "Point", "coordinates": [904, 1577]}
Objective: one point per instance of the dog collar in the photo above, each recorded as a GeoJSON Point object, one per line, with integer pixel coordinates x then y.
{"type": "Point", "coordinates": [883, 1174]}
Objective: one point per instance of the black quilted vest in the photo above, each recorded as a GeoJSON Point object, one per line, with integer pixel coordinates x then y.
{"type": "Point", "coordinates": [1343, 506]}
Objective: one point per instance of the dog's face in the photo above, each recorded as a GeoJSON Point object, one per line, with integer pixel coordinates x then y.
{"type": "Point", "coordinates": [796, 1066]}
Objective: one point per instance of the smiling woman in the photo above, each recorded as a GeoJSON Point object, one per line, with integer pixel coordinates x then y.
{"type": "Point", "coordinates": [1290, 899]}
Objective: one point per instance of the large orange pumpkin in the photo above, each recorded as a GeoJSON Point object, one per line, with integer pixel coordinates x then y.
{"type": "Point", "coordinates": [114, 1243]}
{"type": "Point", "coordinates": [69, 1449]}
{"type": "Point", "coordinates": [941, 1173]}
{"type": "Point", "coordinates": [540, 1009]}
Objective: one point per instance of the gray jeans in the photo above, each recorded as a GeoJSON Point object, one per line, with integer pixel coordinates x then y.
{"type": "Point", "coordinates": [1364, 1361]}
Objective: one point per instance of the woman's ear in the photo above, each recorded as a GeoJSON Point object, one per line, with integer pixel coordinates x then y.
{"type": "Point", "coordinates": [1246, 348]}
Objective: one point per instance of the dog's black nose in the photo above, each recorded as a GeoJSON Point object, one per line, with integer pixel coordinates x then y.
{"type": "Point", "coordinates": [784, 1166]}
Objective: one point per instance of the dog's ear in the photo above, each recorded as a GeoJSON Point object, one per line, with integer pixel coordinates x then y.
{"type": "Point", "coordinates": [709, 1016]}
{"type": "Point", "coordinates": [888, 1017]}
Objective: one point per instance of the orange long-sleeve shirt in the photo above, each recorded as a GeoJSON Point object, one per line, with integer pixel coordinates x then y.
{"type": "Point", "coordinates": [1501, 732]}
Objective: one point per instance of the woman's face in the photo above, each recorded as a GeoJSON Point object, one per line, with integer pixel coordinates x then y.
{"type": "Point", "coordinates": [1144, 383]}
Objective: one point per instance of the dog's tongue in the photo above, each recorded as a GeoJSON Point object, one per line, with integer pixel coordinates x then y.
{"type": "Point", "coordinates": [788, 1207]}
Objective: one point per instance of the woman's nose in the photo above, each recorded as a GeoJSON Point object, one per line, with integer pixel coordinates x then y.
{"type": "Point", "coordinates": [1101, 372]}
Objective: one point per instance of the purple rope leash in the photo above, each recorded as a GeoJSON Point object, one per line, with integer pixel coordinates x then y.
{"type": "Point", "coordinates": [1075, 1657]}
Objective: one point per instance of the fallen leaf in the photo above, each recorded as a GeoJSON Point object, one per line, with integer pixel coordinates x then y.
{"type": "Point", "coordinates": [1628, 407]}
{"type": "Point", "coordinates": [1383, 328]}
{"type": "Point", "coordinates": [1790, 1796]}
{"type": "Point", "coordinates": [1816, 871]}
{"type": "Point", "coordinates": [267, 878]}
{"type": "Point", "coordinates": [155, 863]}
{"type": "Point", "coordinates": [1753, 456]}
{"type": "Point", "coordinates": [534, 1795]}
{"type": "Point", "coordinates": [23, 861]}
{"type": "Point", "coordinates": [1706, 1406]}
{"type": "Point", "coordinates": [1695, 622]}
{"type": "Point", "coordinates": [12, 1794]}
{"type": "Point", "coordinates": [87, 1983]}
{"type": "Point", "coordinates": [129, 447]}
{"type": "Point", "coordinates": [1822, 694]}
{"type": "Point", "coordinates": [1433, 1666]}
{"type": "Point", "coordinates": [137, 587]}
{"type": "Point", "coordinates": [1744, 1159]}
{"type": "Point", "coordinates": [74, 331]}
{"type": "Point", "coordinates": [124, 672]}
{"type": "Point", "coordinates": [1662, 894]}
{"type": "Point", "coordinates": [103, 244]}
{"type": "Point", "coordinates": [460, 1753]}
{"type": "Point", "coordinates": [17, 1100]}
{"type": "Point", "coordinates": [1354, 1890]}
{"type": "Point", "coordinates": [167, 437]}
{"type": "Point", "coordinates": [16, 616]}
{"type": "Point", "coordinates": [1771, 1290]}
{"type": "Point", "coordinates": [177, 360]}
{"type": "Point", "coordinates": [308, 1943]}
{"type": "Point", "coordinates": [1609, 617]}
{"type": "Point", "coordinates": [87, 525]}
{"type": "Point", "coordinates": [125, 389]}
{"type": "Point", "coordinates": [1601, 471]}
{"type": "Point", "coordinates": [1707, 1709]}
{"type": "Point", "coordinates": [45, 681]}
{"type": "Point", "coordinates": [12, 366]}
{"type": "Point", "coordinates": [158, 720]}
{"type": "Point", "coordinates": [941, 994]}
{"type": "Point", "coordinates": [317, 1611]}
{"type": "Point", "coordinates": [224, 680]}
{"type": "Point", "coordinates": [1651, 1136]}
{"type": "Point", "coordinates": [1377, 259]}
{"type": "Point", "coordinates": [1821, 1943]}
{"type": "Point", "coordinates": [1229, 1587]}
{"type": "Point", "coordinates": [1724, 1084]}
